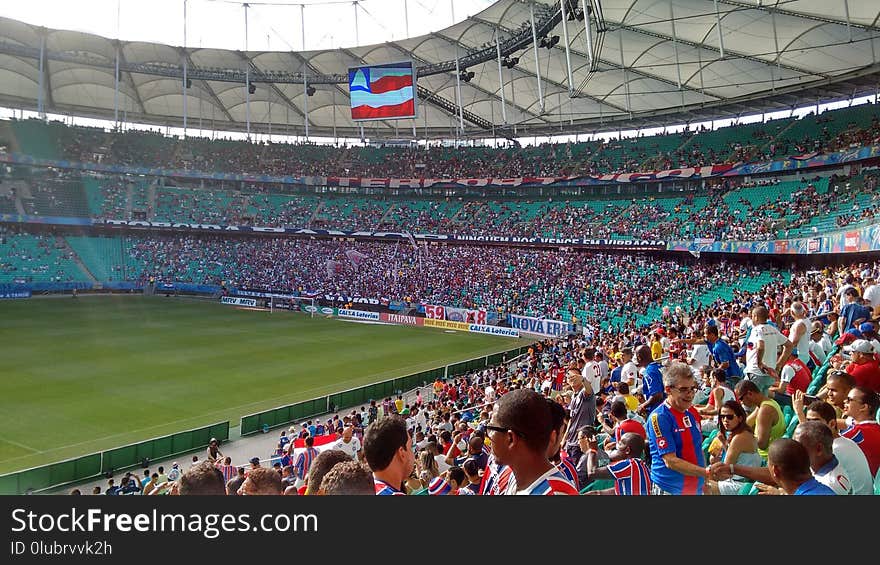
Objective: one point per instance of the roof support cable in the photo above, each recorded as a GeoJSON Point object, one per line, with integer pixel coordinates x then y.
{"type": "Point", "coordinates": [537, 63]}
{"type": "Point", "coordinates": [567, 49]}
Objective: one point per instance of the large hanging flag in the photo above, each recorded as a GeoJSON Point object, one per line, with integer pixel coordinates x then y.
{"type": "Point", "coordinates": [382, 92]}
{"type": "Point", "coordinates": [332, 267]}
{"type": "Point", "coordinates": [355, 257]}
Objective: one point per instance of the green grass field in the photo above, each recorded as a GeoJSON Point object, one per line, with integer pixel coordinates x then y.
{"type": "Point", "coordinates": [85, 375]}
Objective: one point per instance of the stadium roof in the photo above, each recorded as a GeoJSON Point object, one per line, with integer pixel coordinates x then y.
{"type": "Point", "coordinates": [654, 62]}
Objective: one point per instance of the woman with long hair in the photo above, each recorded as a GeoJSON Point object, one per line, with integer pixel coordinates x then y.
{"type": "Point", "coordinates": [739, 447]}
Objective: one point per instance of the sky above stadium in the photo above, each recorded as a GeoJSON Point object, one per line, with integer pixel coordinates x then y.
{"type": "Point", "coordinates": [271, 26]}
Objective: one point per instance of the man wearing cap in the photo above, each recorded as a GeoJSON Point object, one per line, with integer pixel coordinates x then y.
{"type": "Point", "coordinates": [870, 334]}
{"type": "Point", "coordinates": [864, 367]}
{"type": "Point", "coordinates": [213, 452]}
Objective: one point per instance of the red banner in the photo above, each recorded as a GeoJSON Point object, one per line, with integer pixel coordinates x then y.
{"type": "Point", "coordinates": [402, 320]}
{"type": "Point", "coordinates": [435, 312]}
{"type": "Point", "coordinates": [851, 241]}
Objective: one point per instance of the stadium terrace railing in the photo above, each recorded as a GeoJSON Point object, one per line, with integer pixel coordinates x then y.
{"type": "Point", "coordinates": [86, 467]}
{"type": "Point", "coordinates": [260, 421]}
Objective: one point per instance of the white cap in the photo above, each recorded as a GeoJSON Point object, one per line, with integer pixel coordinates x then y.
{"type": "Point", "coordinates": [862, 346]}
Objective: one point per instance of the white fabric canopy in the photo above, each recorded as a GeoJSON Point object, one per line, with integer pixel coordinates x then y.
{"type": "Point", "coordinates": [656, 62]}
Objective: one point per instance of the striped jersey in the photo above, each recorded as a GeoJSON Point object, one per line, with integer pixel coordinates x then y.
{"type": "Point", "coordinates": [384, 489]}
{"type": "Point", "coordinates": [304, 461]}
{"type": "Point", "coordinates": [552, 482]}
{"type": "Point", "coordinates": [495, 478]}
{"type": "Point", "coordinates": [867, 435]}
{"type": "Point", "coordinates": [569, 471]}
{"type": "Point", "coordinates": [671, 431]}
{"type": "Point", "coordinates": [631, 477]}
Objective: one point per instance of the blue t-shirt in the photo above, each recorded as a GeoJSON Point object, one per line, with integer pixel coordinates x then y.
{"type": "Point", "coordinates": [813, 488]}
{"type": "Point", "coordinates": [671, 431]}
{"type": "Point", "coordinates": [653, 384]}
{"type": "Point", "coordinates": [852, 312]}
{"type": "Point", "coordinates": [615, 375]}
{"type": "Point", "coordinates": [722, 352]}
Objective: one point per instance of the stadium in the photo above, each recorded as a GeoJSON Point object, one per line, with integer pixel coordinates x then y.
{"type": "Point", "coordinates": [528, 225]}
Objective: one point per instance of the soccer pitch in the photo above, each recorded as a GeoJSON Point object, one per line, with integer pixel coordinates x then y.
{"type": "Point", "coordinates": [84, 375]}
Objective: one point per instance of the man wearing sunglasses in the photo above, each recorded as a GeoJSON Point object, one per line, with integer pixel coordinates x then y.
{"type": "Point", "coordinates": [860, 407]}
{"type": "Point", "coordinates": [520, 430]}
{"type": "Point", "coordinates": [674, 436]}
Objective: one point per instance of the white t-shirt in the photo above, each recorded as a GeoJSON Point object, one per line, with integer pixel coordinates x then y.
{"type": "Point", "coordinates": [854, 461]}
{"type": "Point", "coordinates": [630, 374]}
{"type": "Point", "coordinates": [590, 372]}
{"type": "Point", "coordinates": [771, 338]}
{"type": "Point", "coordinates": [836, 479]}
{"type": "Point", "coordinates": [490, 394]}
{"type": "Point", "coordinates": [817, 352]}
{"type": "Point", "coordinates": [826, 344]}
{"type": "Point", "coordinates": [803, 344]}
{"type": "Point", "coordinates": [700, 356]}
{"type": "Point", "coordinates": [872, 295]}
{"type": "Point", "coordinates": [442, 465]}
{"type": "Point", "coordinates": [351, 448]}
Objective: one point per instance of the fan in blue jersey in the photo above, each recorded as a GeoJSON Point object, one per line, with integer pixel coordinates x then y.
{"type": "Point", "coordinates": [675, 438]}
{"type": "Point", "coordinates": [652, 383]}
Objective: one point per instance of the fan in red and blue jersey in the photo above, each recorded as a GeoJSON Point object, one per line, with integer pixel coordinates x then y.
{"type": "Point", "coordinates": [495, 478]}
{"type": "Point", "coordinates": [304, 459]}
{"type": "Point", "coordinates": [552, 482]}
{"type": "Point", "coordinates": [674, 431]}
{"type": "Point", "coordinates": [554, 452]}
{"type": "Point", "coordinates": [631, 477]}
{"type": "Point", "coordinates": [384, 489]}
{"type": "Point", "coordinates": [569, 471]}
{"type": "Point", "coordinates": [522, 433]}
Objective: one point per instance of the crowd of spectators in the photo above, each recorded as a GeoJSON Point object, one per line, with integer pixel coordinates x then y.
{"type": "Point", "coordinates": [741, 143]}
{"type": "Point", "coordinates": [501, 279]}
{"type": "Point", "coordinates": [720, 211]}
{"type": "Point", "coordinates": [597, 413]}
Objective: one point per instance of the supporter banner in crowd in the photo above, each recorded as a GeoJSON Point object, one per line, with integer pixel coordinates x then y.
{"type": "Point", "coordinates": [493, 330]}
{"type": "Point", "coordinates": [539, 326]}
{"type": "Point", "coordinates": [235, 301]}
{"type": "Point", "coordinates": [466, 315]}
{"type": "Point", "coordinates": [447, 325]}
{"type": "Point", "coordinates": [857, 240]}
{"type": "Point", "coordinates": [402, 320]}
{"type": "Point", "coordinates": [473, 328]}
{"type": "Point", "coordinates": [454, 314]}
{"type": "Point", "coordinates": [627, 244]}
{"type": "Point", "coordinates": [13, 294]}
{"type": "Point", "coordinates": [434, 312]}
{"type": "Point", "coordinates": [791, 163]}
{"type": "Point", "coordinates": [359, 314]}
{"type": "Point", "coordinates": [807, 161]}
